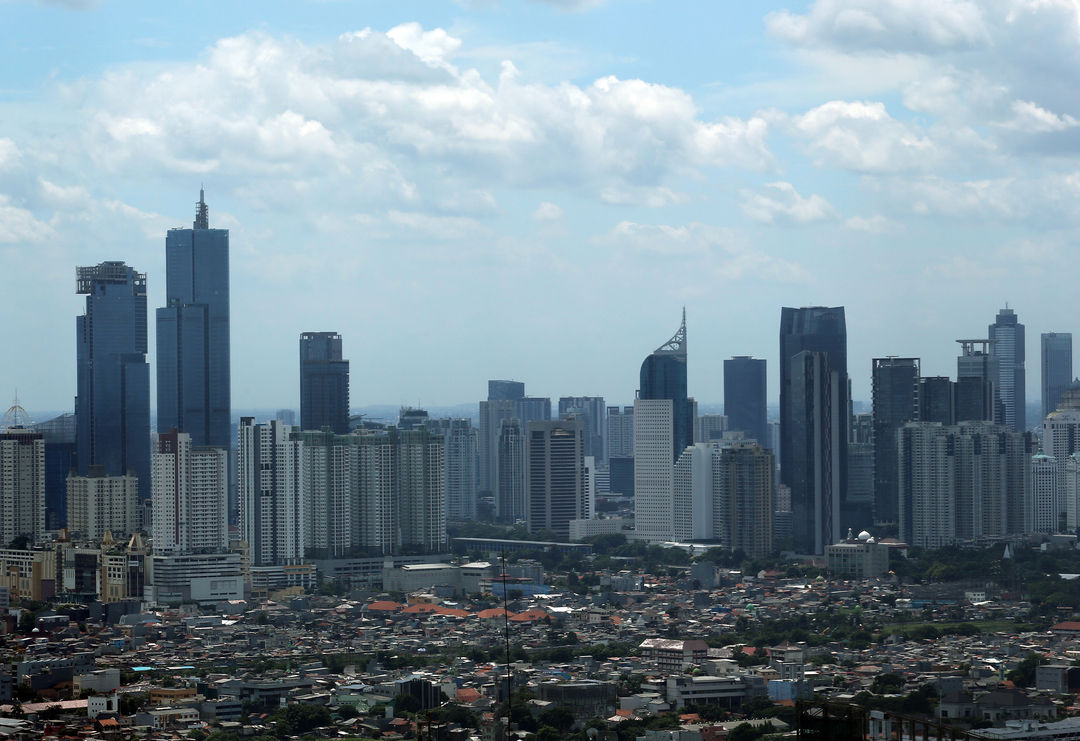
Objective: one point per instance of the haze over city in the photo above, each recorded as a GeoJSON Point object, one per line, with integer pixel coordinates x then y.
{"type": "Point", "coordinates": [533, 190]}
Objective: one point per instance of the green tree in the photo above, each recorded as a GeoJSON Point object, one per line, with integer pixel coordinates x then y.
{"type": "Point", "coordinates": [558, 717]}
{"type": "Point", "coordinates": [406, 703]}
{"type": "Point", "coordinates": [299, 718]}
{"type": "Point", "coordinates": [1024, 674]}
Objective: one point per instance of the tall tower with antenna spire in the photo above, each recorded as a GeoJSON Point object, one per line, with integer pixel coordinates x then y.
{"type": "Point", "coordinates": [663, 428]}
{"type": "Point", "coordinates": [193, 368]}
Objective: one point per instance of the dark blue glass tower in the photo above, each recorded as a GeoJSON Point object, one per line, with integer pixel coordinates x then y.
{"type": "Point", "coordinates": [112, 408]}
{"type": "Point", "coordinates": [814, 409]}
{"type": "Point", "coordinates": [663, 376]}
{"type": "Point", "coordinates": [745, 397]}
{"type": "Point", "coordinates": [193, 376]}
{"type": "Point", "coordinates": [324, 383]}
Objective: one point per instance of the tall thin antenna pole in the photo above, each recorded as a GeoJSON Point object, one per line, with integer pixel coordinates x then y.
{"type": "Point", "coordinates": [506, 625]}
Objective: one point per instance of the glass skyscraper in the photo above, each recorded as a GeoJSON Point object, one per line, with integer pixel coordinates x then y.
{"type": "Point", "coordinates": [1007, 346]}
{"type": "Point", "coordinates": [1057, 357]}
{"type": "Point", "coordinates": [663, 376]}
{"type": "Point", "coordinates": [895, 388]}
{"type": "Point", "coordinates": [745, 397]}
{"type": "Point", "coordinates": [193, 375]}
{"type": "Point", "coordinates": [324, 383]}
{"type": "Point", "coordinates": [813, 425]}
{"type": "Point", "coordinates": [112, 406]}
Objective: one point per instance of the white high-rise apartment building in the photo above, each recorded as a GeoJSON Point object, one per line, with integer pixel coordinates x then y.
{"type": "Point", "coordinates": [724, 492]}
{"type": "Point", "coordinates": [372, 493]}
{"type": "Point", "coordinates": [927, 497]}
{"type": "Point", "coordinates": [1044, 508]}
{"type": "Point", "coordinates": [22, 485]}
{"type": "Point", "coordinates": [620, 432]}
{"type": "Point", "coordinates": [1061, 439]}
{"type": "Point", "coordinates": [1070, 491]}
{"type": "Point", "coordinates": [693, 495]}
{"type": "Point", "coordinates": [97, 504]}
{"type": "Point", "coordinates": [962, 482]}
{"type": "Point", "coordinates": [270, 493]}
{"type": "Point", "coordinates": [461, 483]}
{"type": "Point", "coordinates": [189, 496]}
{"type": "Point", "coordinates": [653, 469]}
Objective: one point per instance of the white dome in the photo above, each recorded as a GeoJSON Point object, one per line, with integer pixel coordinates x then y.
{"type": "Point", "coordinates": [865, 535]}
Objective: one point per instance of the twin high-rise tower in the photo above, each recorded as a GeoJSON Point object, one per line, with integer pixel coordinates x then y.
{"type": "Point", "coordinates": [112, 406]}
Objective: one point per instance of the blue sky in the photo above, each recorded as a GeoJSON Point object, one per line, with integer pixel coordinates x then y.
{"type": "Point", "coordinates": [534, 189]}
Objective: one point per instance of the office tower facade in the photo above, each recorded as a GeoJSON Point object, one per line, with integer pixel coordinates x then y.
{"type": "Point", "coordinates": [815, 440]}
{"type": "Point", "coordinates": [324, 383]}
{"type": "Point", "coordinates": [745, 396]}
{"type": "Point", "coordinates": [270, 492]}
{"type": "Point", "coordinates": [621, 475]}
{"type": "Point", "coordinates": [592, 412]}
{"type": "Point", "coordinates": [461, 488]}
{"type": "Point", "coordinates": [59, 434]}
{"type": "Point", "coordinates": [654, 431]}
{"type": "Point", "coordinates": [1057, 356]}
{"type": "Point", "coordinates": [962, 483]}
{"type": "Point", "coordinates": [493, 413]}
{"type": "Point", "coordinates": [663, 376]}
{"type": "Point", "coordinates": [1045, 512]}
{"type": "Point", "coordinates": [510, 504]}
{"type": "Point", "coordinates": [620, 432]}
{"type": "Point", "coordinates": [937, 400]}
{"type": "Point", "coordinates": [710, 427]}
{"type": "Point", "coordinates": [99, 503]}
{"type": "Point", "coordinates": [532, 409]}
{"type": "Point", "coordinates": [1007, 346]}
{"type": "Point", "coordinates": [190, 496]}
{"type": "Point", "coordinates": [22, 485]}
{"type": "Point", "coordinates": [813, 424]}
{"type": "Point", "coordinates": [412, 419]}
{"type": "Point", "coordinates": [976, 389]}
{"type": "Point", "coordinates": [895, 393]}
{"type": "Point", "coordinates": [112, 406]}
{"type": "Point", "coordinates": [193, 368]}
{"type": "Point", "coordinates": [499, 406]}
{"type": "Point", "coordinates": [860, 470]}
{"type": "Point", "coordinates": [744, 497]}
{"type": "Point", "coordinates": [505, 390]}
{"type": "Point", "coordinates": [555, 488]}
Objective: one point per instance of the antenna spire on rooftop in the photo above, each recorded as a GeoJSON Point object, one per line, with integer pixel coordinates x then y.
{"type": "Point", "coordinates": [202, 213]}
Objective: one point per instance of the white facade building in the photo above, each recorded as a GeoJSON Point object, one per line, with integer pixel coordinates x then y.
{"type": "Point", "coordinates": [189, 496]}
{"type": "Point", "coordinates": [1044, 511]}
{"type": "Point", "coordinates": [693, 495]}
{"type": "Point", "coordinates": [653, 470]}
{"type": "Point", "coordinates": [22, 485]}
{"type": "Point", "coordinates": [270, 493]}
{"type": "Point", "coordinates": [97, 504]}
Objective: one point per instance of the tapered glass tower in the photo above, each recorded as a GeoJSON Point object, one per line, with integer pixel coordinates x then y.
{"type": "Point", "coordinates": [193, 372]}
{"type": "Point", "coordinates": [663, 376]}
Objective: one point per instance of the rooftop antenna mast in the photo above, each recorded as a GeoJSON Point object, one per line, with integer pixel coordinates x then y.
{"type": "Point", "coordinates": [202, 213]}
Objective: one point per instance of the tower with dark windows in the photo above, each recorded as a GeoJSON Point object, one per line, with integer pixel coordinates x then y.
{"type": "Point", "coordinates": [193, 370]}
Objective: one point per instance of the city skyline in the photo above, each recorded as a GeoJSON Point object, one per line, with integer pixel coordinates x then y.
{"type": "Point", "coordinates": [719, 182]}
